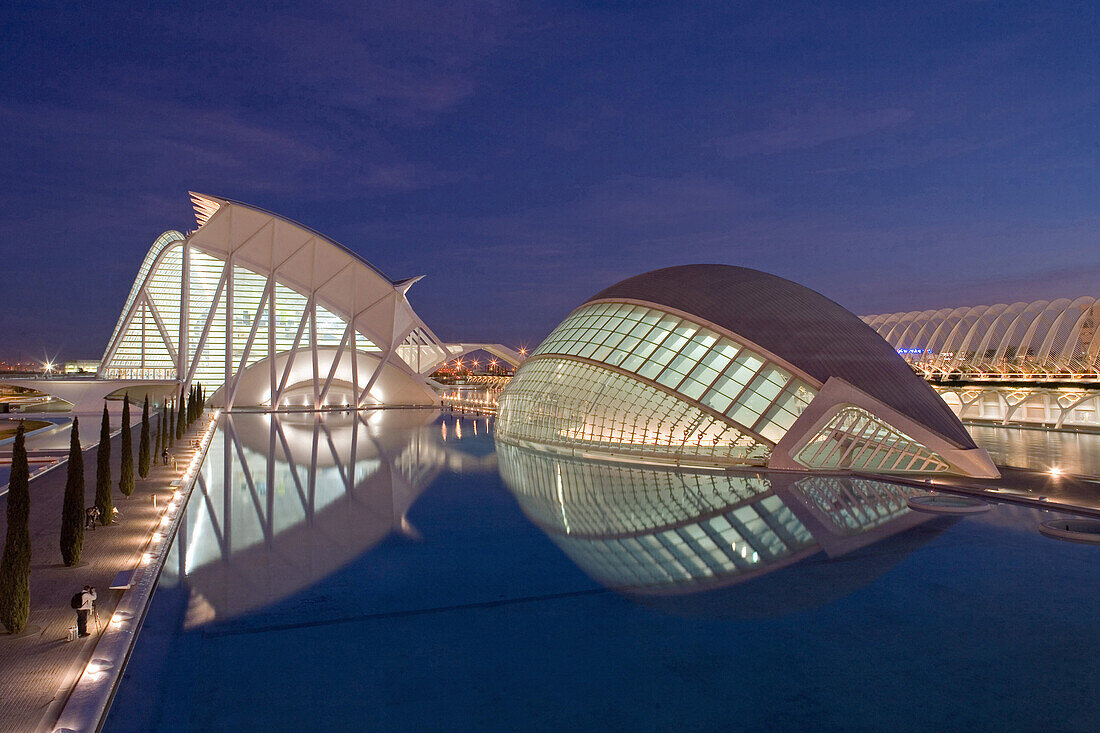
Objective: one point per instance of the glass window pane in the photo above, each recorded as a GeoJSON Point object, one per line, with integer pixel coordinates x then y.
{"type": "Point", "coordinates": [749, 360]}
{"type": "Point", "coordinates": [692, 388]}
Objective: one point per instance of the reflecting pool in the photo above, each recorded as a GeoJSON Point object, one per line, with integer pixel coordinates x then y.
{"type": "Point", "coordinates": [1040, 450]}
{"type": "Point", "coordinates": [394, 570]}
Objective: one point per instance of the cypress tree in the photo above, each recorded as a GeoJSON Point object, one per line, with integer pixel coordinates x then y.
{"type": "Point", "coordinates": [190, 406]}
{"type": "Point", "coordinates": [126, 469]}
{"type": "Point", "coordinates": [181, 427]}
{"type": "Point", "coordinates": [72, 511]}
{"type": "Point", "coordinates": [162, 436]}
{"type": "Point", "coordinates": [103, 471]}
{"type": "Point", "coordinates": [143, 442]}
{"type": "Point", "coordinates": [170, 427]}
{"type": "Point", "coordinates": [15, 565]}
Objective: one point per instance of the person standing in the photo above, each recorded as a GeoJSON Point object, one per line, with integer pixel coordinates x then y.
{"type": "Point", "coordinates": [87, 604]}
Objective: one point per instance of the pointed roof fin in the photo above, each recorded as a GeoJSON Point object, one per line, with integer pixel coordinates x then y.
{"type": "Point", "coordinates": [404, 285]}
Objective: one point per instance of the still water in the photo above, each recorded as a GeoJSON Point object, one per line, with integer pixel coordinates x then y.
{"type": "Point", "coordinates": [394, 570]}
{"type": "Point", "coordinates": [1040, 450]}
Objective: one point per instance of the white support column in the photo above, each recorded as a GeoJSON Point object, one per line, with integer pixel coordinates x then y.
{"type": "Point", "coordinates": [374, 377]}
{"type": "Point", "coordinates": [231, 391]}
{"type": "Point", "coordinates": [206, 329]}
{"type": "Point", "coordinates": [143, 309]}
{"type": "Point", "coordinates": [185, 311]}
{"type": "Point", "coordinates": [228, 367]}
{"type": "Point", "coordinates": [354, 336]}
{"type": "Point", "coordinates": [313, 351]}
{"type": "Point", "coordinates": [271, 313]}
{"type": "Point", "coordinates": [160, 326]}
{"type": "Point", "coordinates": [336, 361]}
{"type": "Point", "coordinates": [293, 351]}
{"type": "Point", "coordinates": [272, 310]}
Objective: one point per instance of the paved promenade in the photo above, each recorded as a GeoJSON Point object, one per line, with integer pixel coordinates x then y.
{"type": "Point", "coordinates": [39, 666]}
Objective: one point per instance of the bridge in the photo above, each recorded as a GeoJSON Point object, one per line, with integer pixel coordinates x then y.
{"type": "Point", "coordinates": [1034, 363]}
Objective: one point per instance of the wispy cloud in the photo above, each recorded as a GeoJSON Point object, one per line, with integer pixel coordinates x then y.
{"type": "Point", "coordinates": [132, 141]}
{"type": "Point", "coordinates": [787, 132]}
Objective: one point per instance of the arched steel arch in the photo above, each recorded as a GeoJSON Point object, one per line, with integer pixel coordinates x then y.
{"type": "Point", "coordinates": [1043, 339]}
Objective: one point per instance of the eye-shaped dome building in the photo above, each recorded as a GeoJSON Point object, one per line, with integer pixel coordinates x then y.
{"type": "Point", "coordinates": [722, 365]}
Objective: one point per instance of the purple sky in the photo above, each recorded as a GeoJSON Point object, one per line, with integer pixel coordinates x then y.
{"type": "Point", "coordinates": [523, 156]}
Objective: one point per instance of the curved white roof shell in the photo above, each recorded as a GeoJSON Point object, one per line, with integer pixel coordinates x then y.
{"type": "Point", "coordinates": [712, 364]}
{"type": "Point", "coordinates": [267, 312]}
{"type": "Point", "coordinates": [1043, 339]}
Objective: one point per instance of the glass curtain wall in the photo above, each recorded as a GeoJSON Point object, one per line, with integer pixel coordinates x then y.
{"type": "Point", "coordinates": [145, 351]}
{"type": "Point", "coordinates": [856, 439]}
{"type": "Point", "coordinates": [670, 386]}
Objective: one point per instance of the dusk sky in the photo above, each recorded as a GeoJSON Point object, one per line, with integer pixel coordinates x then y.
{"type": "Point", "coordinates": [892, 156]}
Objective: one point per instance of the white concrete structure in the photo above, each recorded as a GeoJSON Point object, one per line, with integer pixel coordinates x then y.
{"type": "Point", "coordinates": [1046, 340]}
{"type": "Point", "coordinates": [1049, 407]}
{"type": "Point", "coordinates": [265, 313]}
{"type": "Point", "coordinates": [718, 365]}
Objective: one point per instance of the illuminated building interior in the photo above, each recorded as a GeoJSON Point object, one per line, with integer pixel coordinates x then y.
{"type": "Point", "coordinates": [264, 313]}
{"type": "Point", "coordinates": [720, 365]}
{"type": "Point", "coordinates": [653, 530]}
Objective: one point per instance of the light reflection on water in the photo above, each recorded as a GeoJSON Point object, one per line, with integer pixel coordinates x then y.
{"type": "Point", "coordinates": [394, 570]}
{"type": "Point", "coordinates": [652, 530]}
{"type": "Point", "coordinates": [283, 500]}
{"type": "Point", "coordinates": [1040, 450]}
{"type": "Point", "coordinates": [337, 484]}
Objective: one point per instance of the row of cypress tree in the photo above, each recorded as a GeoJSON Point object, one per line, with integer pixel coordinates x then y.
{"type": "Point", "coordinates": [190, 409]}
{"type": "Point", "coordinates": [15, 564]}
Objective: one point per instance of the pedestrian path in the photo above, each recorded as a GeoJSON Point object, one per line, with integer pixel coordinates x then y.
{"type": "Point", "coordinates": [39, 665]}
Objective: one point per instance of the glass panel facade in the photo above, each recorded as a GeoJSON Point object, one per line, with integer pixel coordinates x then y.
{"type": "Point", "coordinates": [150, 257]}
{"type": "Point", "coordinates": [142, 352]}
{"type": "Point", "coordinates": [582, 407]}
{"type": "Point", "coordinates": [856, 439]}
{"type": "Point", "coordinates": [704, 366]}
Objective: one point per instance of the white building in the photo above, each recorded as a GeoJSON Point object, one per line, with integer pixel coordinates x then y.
{"type": "Point", "coordinates": [717, 365]}
{"type": "Point", "coordinates": [265, 313]}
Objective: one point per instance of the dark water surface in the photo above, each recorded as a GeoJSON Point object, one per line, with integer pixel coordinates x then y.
{"type": "Point", "coordinates": [392, 575]}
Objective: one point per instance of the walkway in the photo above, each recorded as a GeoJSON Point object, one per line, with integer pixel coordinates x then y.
{"type": "Point", "coordinates": [39, 666]}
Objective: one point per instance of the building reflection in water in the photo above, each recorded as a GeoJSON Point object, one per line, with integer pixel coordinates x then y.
{"type": "Point", "coordinates": [283, 500]}
{"type": "Point", "coordinates": [1040, 450]}
{"type": "Point", "coordinates": [653, 531]}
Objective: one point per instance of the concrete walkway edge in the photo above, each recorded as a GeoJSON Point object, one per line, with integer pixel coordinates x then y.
{"type": "Point", "coordinates": [87, 704]}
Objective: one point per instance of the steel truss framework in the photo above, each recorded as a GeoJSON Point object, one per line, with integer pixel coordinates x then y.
{"type": "Point", "coordinates": [271, 313]}
{"type": "Point", "coordinates": [1043, 340]}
